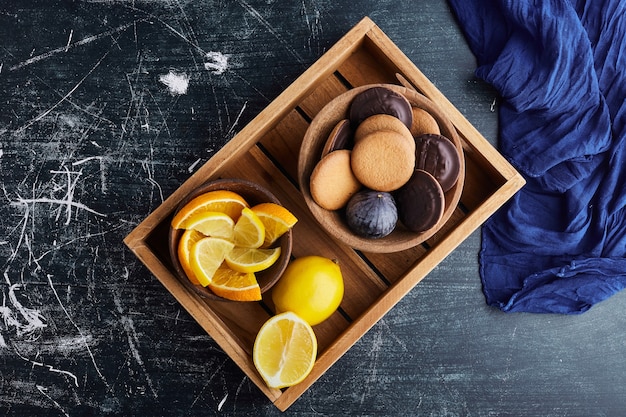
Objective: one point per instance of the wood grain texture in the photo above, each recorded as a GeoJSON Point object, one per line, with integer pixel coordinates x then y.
{"type": "Point", "coordinates": [93, 139]}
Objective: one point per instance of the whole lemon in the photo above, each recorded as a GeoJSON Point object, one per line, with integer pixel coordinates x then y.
{"type": "Point", "coordinates": [311, 287]}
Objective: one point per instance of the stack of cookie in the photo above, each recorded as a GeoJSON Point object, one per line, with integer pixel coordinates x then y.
{"type": "Point", "coordinates": [391, 151]}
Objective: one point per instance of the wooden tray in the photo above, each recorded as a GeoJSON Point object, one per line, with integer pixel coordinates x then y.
{"type": "Point", "coordinates": [266, 151]}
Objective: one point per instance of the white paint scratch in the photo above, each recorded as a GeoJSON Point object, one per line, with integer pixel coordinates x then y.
{"type": "Point", "coordinates": [66, 96]}
{"type": "Point", "coordinates": [26, 321]}
{"type": "Point", "coordinates": [376, 348]}
{"type": "Point", "coordinates": [149, 170]}
{"type": "Point", "coordinates": [221, 404]}
{"type": "Point", "coordinates": [43, 390]}
{"type": "Point", "coordinates": [84, 41]}
{"type": "Point", "coordinates": [84, 339]}
{"type": "Point", "coordinates": [255, 13]}
{"type": "Point", "coordinates": [50, 368]}
{"type": "Point", "coordinates": [68, 203]}
{"type": "Point", "coordinates": [131, 334]}
{"type": "Point", "coordinates": [237, 119]}
{"type": "Point", "coordinates": [192, 167]}
{"type": "Point", "coordinates": [69, 40]}
{"type": "Point", "coordinates": [177, 84]}
{"type": "Point", "coordinates": [216, 62]}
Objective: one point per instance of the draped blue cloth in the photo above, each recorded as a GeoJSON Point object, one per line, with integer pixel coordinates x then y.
{"type": "Point", "coordinates": [560, 67]}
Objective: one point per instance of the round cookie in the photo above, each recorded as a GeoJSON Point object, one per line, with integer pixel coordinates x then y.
{"type": "Point", "coordinates": [381, 122]}
{"type": "Point", "coordinates": [377, 100]}
{"type": "Point", "coordinates": [423, 122]}
{"type": "Point", "coordinates": [438, 156]}
{"type": "Point", "coordinates": [420, 202]}
{"type": "Point", "coordinates": [383, 160]}
{"type": "Point", "coordinates": [332, 181]}
{"type": "Point", "coordinates": [339, 138]}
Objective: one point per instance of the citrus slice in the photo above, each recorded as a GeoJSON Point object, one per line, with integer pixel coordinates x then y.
{"type": "Point", "coordinates": [234, 285]}
{"type": "Point", "coordinates": [276, 219]}
{"type": "Point", "coordinates": [212, 223]}
{"type": "Point", "coordinates": [186, 242]}
{"type": "Point", "coordinates": [222, 201]}
{"type": "Point", "coordinates": [284, 350]}
{"type": "Point", "coordinates": [206, 256]}
{"type": "Point", "coordinates": [249, 231]}
{"type": "Point", "coordinates": [252, 259]}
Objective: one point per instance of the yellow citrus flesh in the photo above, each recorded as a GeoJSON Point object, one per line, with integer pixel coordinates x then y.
{"type": "Point", "coordinates": [222, 201]}
{"type": "Point", "coordinates": [311, 286]}
{"type": "Point", "coordinates": [234, 285]}
{"type": "Point", "coordinates": [249, 231]}
{"type": "Point", "coordinates": [187, 240]}
{"type": "Point", "coordinates": [284, 350]}
{"type": "Point", "coordinates": [276, 219]}
{"type": "Point", "coordinates": [206, 256]}
{"type": "Point", "coordinates": [251, 259]}
{"type": "Point", "coordinates": [212, 223]}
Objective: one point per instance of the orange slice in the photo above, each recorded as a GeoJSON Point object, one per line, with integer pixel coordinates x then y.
{"type": "Point", "coordinates": [222, 201]}
{"type": "Point", "coordinates": [249, 231]}
{"type": "Point", "coordinates": [236, 286]}
{"type": "Point", "coordinates": [206, 256]}
{"type": "Point", "coordinates": [251, 259]}
{"type": "Point", "coordinates": [186, 242]}
{"type": "Point", "coordinates": [211, 223]}
{"type": "Point", "coordinates": [284, 350]}
{"type": "Point", "coordinates": [276, 219]}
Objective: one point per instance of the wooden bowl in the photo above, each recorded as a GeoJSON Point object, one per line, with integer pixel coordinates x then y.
{"type": "Point", "coordinates": [333, 222]}
{"type": "Point", "coordinates": [253, 194]}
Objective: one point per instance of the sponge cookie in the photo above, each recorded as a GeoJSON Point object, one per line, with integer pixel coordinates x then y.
{"type": "Point", "coordinates": [377, 100]}
{"type": "Point", "coordinates": [423, 122]}
{"type": "Point", "coordinates": [332, 181]}
{"type": "Point", "coordinates": [381, 122]}
{"type": "Point", "coordinates": [383, 160]}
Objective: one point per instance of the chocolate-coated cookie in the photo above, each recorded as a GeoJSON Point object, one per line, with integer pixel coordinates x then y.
{"type": "Point", "coordinates": [380, 100]}
{"type": "Point", "coordinates": [339, 138]}
{"type": "Point", "coordinates": [438, 156]}
{"type": "Point", "coordinates": [420, 202]}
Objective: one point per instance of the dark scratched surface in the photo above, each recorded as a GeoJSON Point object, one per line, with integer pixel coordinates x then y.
{"type": "Point", "coordinates": [107, 106]}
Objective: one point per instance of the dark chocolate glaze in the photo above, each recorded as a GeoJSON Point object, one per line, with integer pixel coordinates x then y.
{"type": "Point", "coordinates": [341, 137]}
{"type": "Point", "coordinates": [438, 156]}
{"type": "Point", "coordinates": [420, 202]}
{"type": "Point", "coordinates": [380, 100]}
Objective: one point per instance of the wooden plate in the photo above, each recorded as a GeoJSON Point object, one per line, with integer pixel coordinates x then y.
{"type": "Point", "coordinates": [253, 194]}
{"type": "Point", "coordinates": [333, 222]}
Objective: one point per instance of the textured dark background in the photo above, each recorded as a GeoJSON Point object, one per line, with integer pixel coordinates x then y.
{"type": "Point", "coordinates": [91, 141]}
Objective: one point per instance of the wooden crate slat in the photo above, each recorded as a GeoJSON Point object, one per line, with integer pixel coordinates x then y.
{"type": "Point", "coordinates": [325, 92]}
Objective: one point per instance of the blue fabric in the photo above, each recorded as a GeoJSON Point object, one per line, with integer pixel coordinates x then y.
{"type": "Point", "coordinates": [560, 66]}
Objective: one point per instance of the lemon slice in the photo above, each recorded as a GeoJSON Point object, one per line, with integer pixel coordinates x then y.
{"type": "Point", "coordinates": [234, 285]}
{"type": "Point", "coordinates": [186, 242]}
{"type": "Point", "coordinates": [206, 256]}
{"type": "Point", "coordinates": [249, 231]}
{"type": "Point", "coordinates": [251, 259]}
{"type": "Point", "coordinates": [276, 219]}
{"type": "Point", "coordinates": [222, 201]}
{"type": "Point", "coordinates": [284, 350]}
{"type": "Point", "coordinates": [212, 223]}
